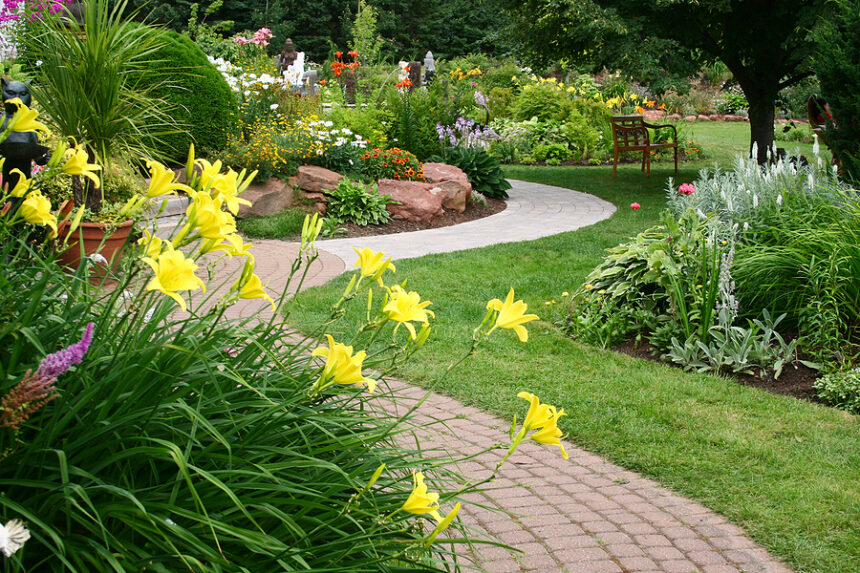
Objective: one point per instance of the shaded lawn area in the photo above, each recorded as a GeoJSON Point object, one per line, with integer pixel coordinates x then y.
{"type": "Point", "coordinates": [787, 471]}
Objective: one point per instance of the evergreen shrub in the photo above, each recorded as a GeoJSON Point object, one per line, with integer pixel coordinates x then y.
{"type": "Point", "coordinates": [204, 104]}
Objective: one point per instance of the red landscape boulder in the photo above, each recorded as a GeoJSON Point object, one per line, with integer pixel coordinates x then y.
{"type": "Point", "coordinates": [455, 186]}
{"type": "Point", "coordinates": [267, 198]}
{"type": "Point", "coordinates": [315, 179]}
{"type": "Point", "coordinates": [418, 201]}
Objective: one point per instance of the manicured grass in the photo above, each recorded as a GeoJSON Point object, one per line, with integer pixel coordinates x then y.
{"type": "Point", "coordinates": [286, 225]}
{"type": "Point", "coordinates": [786, 470]}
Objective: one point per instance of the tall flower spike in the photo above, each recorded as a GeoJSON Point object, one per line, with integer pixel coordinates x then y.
{"type": "Point", "coordinates": [55, 364]}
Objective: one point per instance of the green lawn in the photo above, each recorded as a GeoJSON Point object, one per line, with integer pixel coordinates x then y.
{"type": "Point", "coordinates": [787, 471]}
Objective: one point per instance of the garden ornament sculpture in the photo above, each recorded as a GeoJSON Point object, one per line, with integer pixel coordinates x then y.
{"type": "Point", "coordinates": [20, 149]}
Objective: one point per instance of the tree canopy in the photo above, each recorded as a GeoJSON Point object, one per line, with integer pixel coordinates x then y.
{"type": "Point", "coordinates": [448, 28]}
{"type": "Point", "coordinates": [766, 44]}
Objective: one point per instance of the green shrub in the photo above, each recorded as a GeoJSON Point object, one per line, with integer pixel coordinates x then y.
{"type": "Point", "coordinates": [791, 131]}
{"type": "Point", "coordinates": [582, 137]}
{"type": "Point", "coordinates": [501, 102]}
{"type": "Point", "coordinates": [731, 102]}
{"type": "Point", "coordinates": [545, 101]}
{"type": "Point", "coordinates": [205, 104]}
{"type": "Point", "coordinates": [841, 389]}
{"type": "Point", "coordinates": [352, 202]}
{"type": "Point", "coordinates": [484, 172]}
{"type": "Point", "coordinates": [553, 153]}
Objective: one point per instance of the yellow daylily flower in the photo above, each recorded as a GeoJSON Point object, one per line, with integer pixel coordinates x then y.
{"type": "Point", "coordinates": [210, 220]}
{"type": "Point", "coordinates": [153, 244]}
{"type": "Point", "coordinates": [543, 419]}
{"type": "Point", "coordinates": [25, 118]}
{"type": "Point", "coordinates": [538, 414]}
{"type": "Point", "coordinates": [373, 264]}
{"type": "Point", "coordinates": [511, 315]}
{"type": "Point", "coordinates": [76, 164]}
{"type": "Point", "coordinates": [253, 288]}
{"type": "Point", "coordinates": [419, 501]}
{"type": "Point", "coordinates": [226, 188]}
{"type": "Point", "coordinates": [173, 273]}
{"type": "Point", "coordinates": [208, 172]}
{"type": "Point", "coordinates": [342, 366]}
{"type": "Point", "coordinates": [235, 246]}
{"type": "Point", "coordinates": [550, 434]}
{"type": "Point", "coordinates": [36, 209]}
{"type": "Point", "coordinates": [162, 181]}
{"type": "Point", "coordinates": [405, 307]}
{"type": "Point", "coordinates": [23, 184]}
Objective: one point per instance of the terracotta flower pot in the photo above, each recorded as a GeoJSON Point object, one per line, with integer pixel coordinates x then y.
{"type": "Point", "coordinates": [95, 239]}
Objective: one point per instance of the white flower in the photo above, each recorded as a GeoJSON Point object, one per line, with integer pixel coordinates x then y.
{"type": "Point", "coordinates": [273, 107]}
{"type": "Point", "coordinates": [13, 535]}
{"type": "Point", "coordinates": [97, 258]}
{"type": "Point", "coordinates": [38, 63]}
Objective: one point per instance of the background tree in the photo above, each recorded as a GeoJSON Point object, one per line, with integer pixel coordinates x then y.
{"type": "Point", "coordinates": [838, 67]}
{"type": "Point", "coordinates": [448, 28]}
{"type": "Point", "coordinates": [766, 44]}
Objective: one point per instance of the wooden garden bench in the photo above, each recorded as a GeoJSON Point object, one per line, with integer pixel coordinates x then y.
{"type": "Point", "coordinates": [630, 133]}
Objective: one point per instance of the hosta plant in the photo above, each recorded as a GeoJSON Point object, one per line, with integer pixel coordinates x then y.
{"type": "Point", "coordinates": [484, 172]}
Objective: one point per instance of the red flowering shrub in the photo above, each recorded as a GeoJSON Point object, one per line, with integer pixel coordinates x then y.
{"type": "Point", "coordinates": [391, 163]}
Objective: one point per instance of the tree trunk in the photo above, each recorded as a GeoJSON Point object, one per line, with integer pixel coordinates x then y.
{"type": "Point", "coordinates": [761, 129]}
{"type": "Point", "coordinates": [84, 193]}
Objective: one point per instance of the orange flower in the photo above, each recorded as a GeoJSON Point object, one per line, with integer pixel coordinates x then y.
{"type": "Point", "coordinates": [338, 55]}
{"type": "Point", "coordinates": [397, 176]}
{"type": "Point", "coordinates": [352, 54]}
{"type": "Point", "coordinates": [322, 82]}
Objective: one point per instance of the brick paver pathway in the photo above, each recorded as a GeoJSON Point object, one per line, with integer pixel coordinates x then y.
{"type": "Point", "coordinates": [583, 515]}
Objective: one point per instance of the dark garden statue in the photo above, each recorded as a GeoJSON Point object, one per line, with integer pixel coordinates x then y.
{"type": "Point", "coordinates": [21, 148]}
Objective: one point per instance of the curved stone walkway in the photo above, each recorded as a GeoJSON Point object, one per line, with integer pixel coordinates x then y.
{"type": "Point", "coordinates": [578, 516]}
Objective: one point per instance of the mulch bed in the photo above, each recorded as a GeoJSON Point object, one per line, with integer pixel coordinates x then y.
{"type": "Point", "coordinates": [795, 380]}
{"type": "Point", "coordinates": [473, 211]}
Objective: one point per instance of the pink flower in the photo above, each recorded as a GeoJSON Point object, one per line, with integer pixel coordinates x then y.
{"type": "Point", "coordinates": [241, 40]}
{"type": "Point", "coordinates": [686, 189]}
{"type": "Point", "coordinates": [635, 206]}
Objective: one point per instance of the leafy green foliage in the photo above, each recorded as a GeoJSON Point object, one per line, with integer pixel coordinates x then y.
{"type": "Point", "coordinates": [484, 172]}
{"type": "Point", "coordinates": [553, 153]}
{"type": "Point", "coordinates": [837, 65]}
{"type": "Point", "coordinates": [841, 389]}
{"type": "Point", "coordinates": [352, 202]}
{"type": "Point", "coordinates": [203, 102]}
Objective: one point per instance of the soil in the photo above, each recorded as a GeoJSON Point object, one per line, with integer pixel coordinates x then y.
{"type": "Point", "coordinates": [795, 380]}
{"type": "Point", "coordinates": [473, 211]}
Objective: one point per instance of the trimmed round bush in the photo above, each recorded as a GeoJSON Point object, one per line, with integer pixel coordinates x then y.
{"type": "Point", "coordinates": [204, 103]}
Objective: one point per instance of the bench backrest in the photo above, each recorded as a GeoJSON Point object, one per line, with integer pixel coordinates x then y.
{"type": "Point", "coordinates": [629, 131]}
